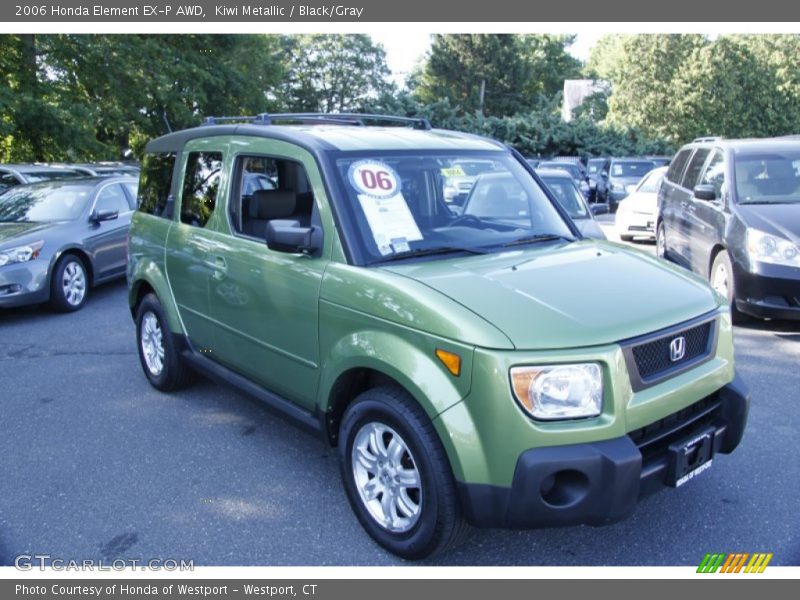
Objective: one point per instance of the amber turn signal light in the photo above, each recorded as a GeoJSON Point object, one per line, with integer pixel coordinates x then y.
{"type": "Point", "coordinates": [450, 360]}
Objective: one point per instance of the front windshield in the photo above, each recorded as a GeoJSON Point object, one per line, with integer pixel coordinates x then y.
{"type": "Point", "coordinates": [651, 182]}
{"type": "Point", "coordinates": [568, 196]}
{"type": "Point", "coordinates": [594, 166]}
{"type": "Point", "coordinates": [57, 201]}
{"type": "Point", "coordinates": [768, 178]}
{"type": "Point", "coordinates": [397, 203]}
{"type": "Point", "coordinates": [631, 168]}
{"type": "Point", "coordinates": [573, 170]}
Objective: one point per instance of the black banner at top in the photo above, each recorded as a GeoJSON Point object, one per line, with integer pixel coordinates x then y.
{"type": "Point", "coordinates": [338, 11]}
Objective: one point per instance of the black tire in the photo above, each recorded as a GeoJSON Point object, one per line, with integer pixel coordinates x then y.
{"type": "Point", "coordinates": [152, 326]}
{"type": "Point", "coordinates": [439, 522]}
{"type": "Point", "coordinates": [722, 269]}
{"type": "Point", "coordinates": [69, 284]}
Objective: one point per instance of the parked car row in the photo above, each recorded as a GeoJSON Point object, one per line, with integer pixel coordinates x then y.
{"type": "Point", "coordinates": [604, 179]}
{"type": "Point", "coordinates": [19, 174]}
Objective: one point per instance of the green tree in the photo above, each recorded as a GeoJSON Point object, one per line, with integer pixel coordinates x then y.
{"type": "Point", "coordinates": [495, 74]}
{"type": "Point", "coordinates": [84, 97]}
{"type": "Point", "coordinates": [644, 93]}
{"type": "Point", "coordinates": [332, 73]}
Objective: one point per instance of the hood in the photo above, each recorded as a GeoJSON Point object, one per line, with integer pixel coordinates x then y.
{"type": "Point", "coordinates": [777, 219]}
{"type": "Point", "coordinates": [570, 295]}
{"type": "Point", "coordinates": [644, 202]}
{"type": "Point", "coordinates": [20, 232]}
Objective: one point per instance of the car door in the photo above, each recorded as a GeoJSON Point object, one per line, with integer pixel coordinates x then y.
{"type": "Point", "coordinates": [193, 240]}
{"type": "Point", "coordinates": [687, 206]}
{"type": "Point", "coordinates": [708, 216]}
{"type": "Point", "coordinates": [265, 302]}
{"type": "Point", "coordinates": [106, 241]}
{"type": "Point", "coordinates": [670, 197]}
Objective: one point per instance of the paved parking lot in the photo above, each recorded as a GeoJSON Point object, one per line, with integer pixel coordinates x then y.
{"type": "Point", "coordinates": [100, 465]}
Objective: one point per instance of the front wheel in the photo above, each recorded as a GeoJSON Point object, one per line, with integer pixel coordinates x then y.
{"type": "Point", "coordinates": [69, 287]}
{"type": "Point", "coordinates": [721, 279]}
{"type": "Point", "coordinates": [397, 476]}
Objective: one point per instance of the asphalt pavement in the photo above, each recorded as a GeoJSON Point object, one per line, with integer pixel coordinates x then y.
{"type": "Point", "coordinates": [100, 465]}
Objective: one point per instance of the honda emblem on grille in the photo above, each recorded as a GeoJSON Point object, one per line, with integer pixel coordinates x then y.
{"type": "Point", "coordinates": [677, 348]}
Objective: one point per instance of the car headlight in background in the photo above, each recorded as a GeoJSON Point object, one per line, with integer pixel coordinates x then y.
{"type": "Point", "coordinates": [21, 254]}
{"type": "Point", "coordinates": [764, 247]}
{"type": "Point", "coordinates": [559, 391]}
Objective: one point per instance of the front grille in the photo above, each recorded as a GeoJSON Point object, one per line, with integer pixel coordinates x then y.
{"type": "Point", "coordinates": [654, 439]}
{"type": "Point", "coordinates": [654, 357]}
{"type": "Point", "coordinates": [651, 358]}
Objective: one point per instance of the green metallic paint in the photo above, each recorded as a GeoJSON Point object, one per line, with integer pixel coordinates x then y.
{"type": "Point", "coordinates": [351, 339]}
{"type": "Point", "coordinates": [391, 297]}
{"type": "Point", "coordinates": [566, 295]}
{"type": "Point", "coordinates": [145, 266]}
{"type": "Point", "coordinates": [489, 430]}
{"type": "Point", "coordinates": [296, 324]}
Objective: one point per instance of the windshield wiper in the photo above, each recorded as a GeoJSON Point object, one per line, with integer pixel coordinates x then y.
{"type": "Point", "coordinates": [539, 237]}
{"type": "Point", "coordinates": [430, 252]}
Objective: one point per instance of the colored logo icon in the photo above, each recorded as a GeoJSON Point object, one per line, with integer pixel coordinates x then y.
{"type": "Point", "coordinates": [737, 562]}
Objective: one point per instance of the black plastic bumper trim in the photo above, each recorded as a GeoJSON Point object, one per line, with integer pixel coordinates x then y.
{"type": "Point", "coordinates": [594, 483]}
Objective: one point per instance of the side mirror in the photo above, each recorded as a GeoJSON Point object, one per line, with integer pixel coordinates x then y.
{"type": "Point", "coordinates": [705, 191]}
{"type": "Point", "coordinates": [599, 209]}
{"type": "Point", "coordinates": [103, 215]}
{"type": "Point", "coordinates": [456, 211]}
{"type": "Point", "coordinates": [289, 236]}
{"type": "Point", "coordinates": [604, 174]}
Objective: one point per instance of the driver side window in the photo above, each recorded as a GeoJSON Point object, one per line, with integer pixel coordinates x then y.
{"type": "Point", "coordinates": [715, 172]}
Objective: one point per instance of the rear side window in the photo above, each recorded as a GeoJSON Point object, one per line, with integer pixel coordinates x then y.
{"type": "Point", "coordinates": [678, 163]}
{"type": "Point", "coordinates": [695, 166]}
{"type": "Point", "coordinates": [155, 182]}
{"type": "Point", "coordinates": [200, 187]}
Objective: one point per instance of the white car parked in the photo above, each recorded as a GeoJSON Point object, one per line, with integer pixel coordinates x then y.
{"type": "Point", "coordinates": [636, 215]}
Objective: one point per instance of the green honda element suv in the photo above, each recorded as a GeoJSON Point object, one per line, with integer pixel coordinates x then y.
{"type": "Point", "coordinates": [491, 368]}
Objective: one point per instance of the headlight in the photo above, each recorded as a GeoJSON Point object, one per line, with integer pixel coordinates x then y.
{"type": "Point", "coordinates": [20, 254]}
{"type": "Point", "coordinates": [768, 248]}
{"type": "Point", "coordinates": [559, 391]}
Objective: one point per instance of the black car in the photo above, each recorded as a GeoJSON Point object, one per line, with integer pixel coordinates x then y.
{"type": "Point", "coordinates": [624, 174]}
{"type": "Point", "coordinates": [729, 210]}
{"type": "Point", "coordinates": [597, 170]}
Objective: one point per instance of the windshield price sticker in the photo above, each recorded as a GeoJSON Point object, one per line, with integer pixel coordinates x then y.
{"type": "Point", "coordinates": [453, 172]}
{"type": "Point", "coordinates": [374, 179]}
{"type": "Point", "coordinates": [391, 222]}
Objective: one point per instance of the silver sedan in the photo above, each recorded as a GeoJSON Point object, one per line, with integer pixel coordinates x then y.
{"type": "Point", "coordinates": [60, 238]}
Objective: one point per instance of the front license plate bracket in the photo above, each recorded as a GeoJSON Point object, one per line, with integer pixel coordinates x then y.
{"type": "Point", "coordinates": [690, 456]}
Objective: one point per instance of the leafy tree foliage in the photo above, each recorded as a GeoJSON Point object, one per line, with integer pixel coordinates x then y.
{"type": "Point", "coordinates": [682, 86]}
{"type": "Point", "coordinates": [495, 74]}
{"type": "Point", "coordinates": [79, 97]}
{"type": "Point", "coordinates": [332, 73]}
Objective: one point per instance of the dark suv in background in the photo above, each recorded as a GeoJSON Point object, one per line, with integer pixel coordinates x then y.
{"type": "Point", "coordinates": [729, 210]}
{"type": "Point", "coordinates": [623, 176]}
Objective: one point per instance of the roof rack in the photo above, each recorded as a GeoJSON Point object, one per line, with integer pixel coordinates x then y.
{"type": "Point", "coordinates": [356, 119]}
{"type": "Point", "coordinates": [710, 138]}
